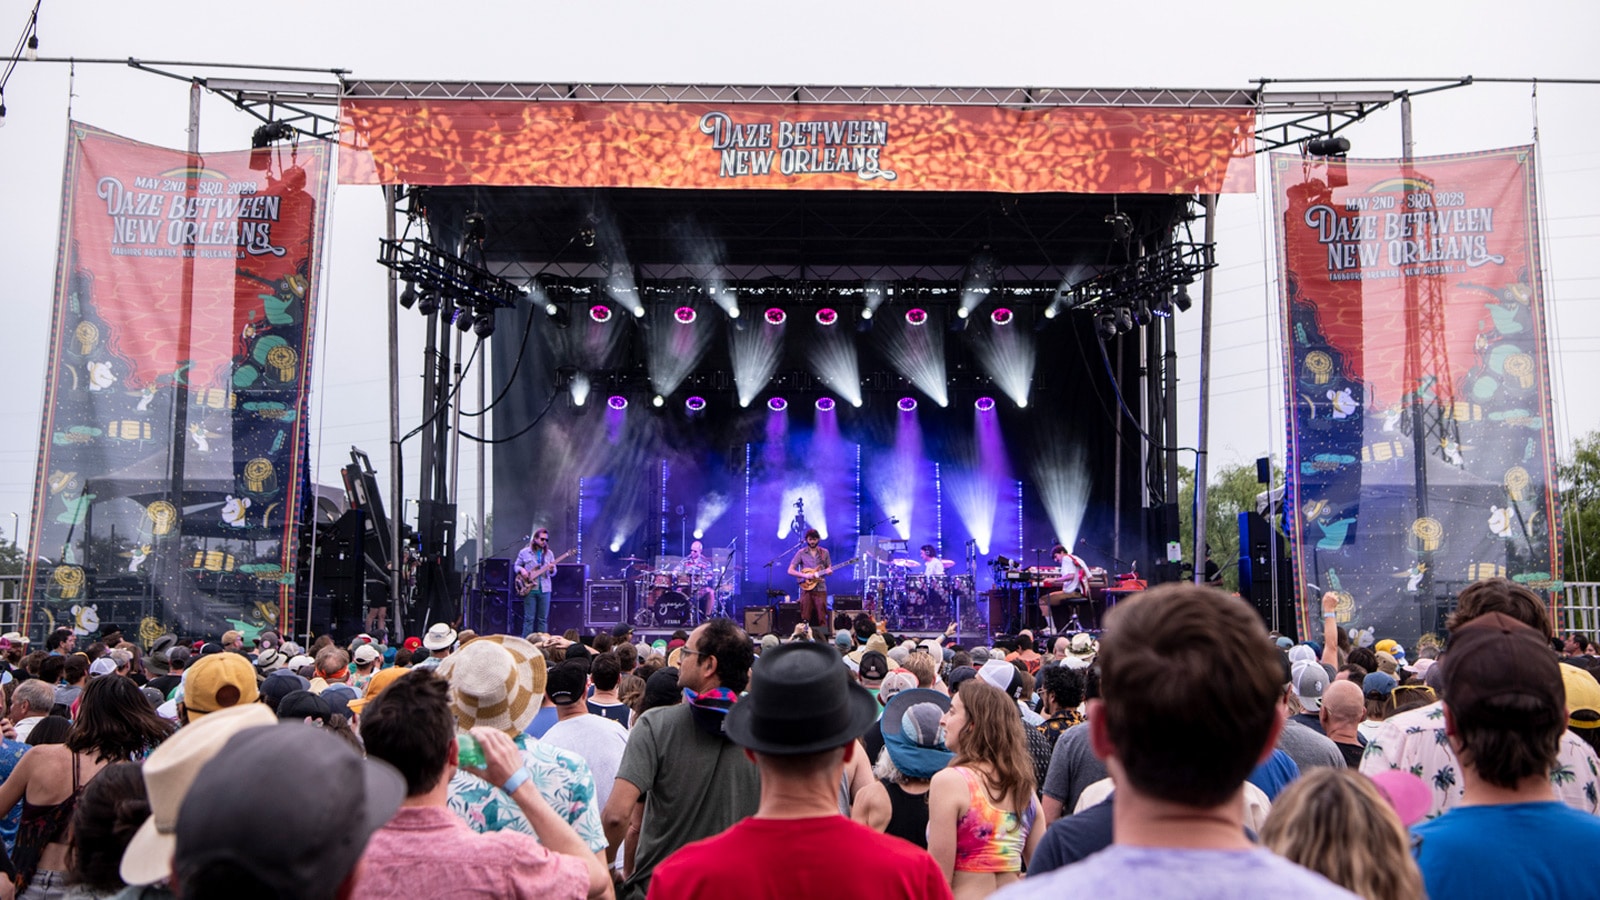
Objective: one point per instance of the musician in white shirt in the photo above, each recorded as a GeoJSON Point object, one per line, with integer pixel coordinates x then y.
{"type": "Point", "coordinates": [1072, 585]}
{"type": "Point", "coordinates": [931, 563]}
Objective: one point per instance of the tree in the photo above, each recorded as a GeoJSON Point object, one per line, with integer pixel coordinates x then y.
{"type": "Point", "coordinates": [10, 558]}
{"type": "Point", "coordinates": [1579, 481]}
{"type": "Point", "coordinates": [1232, 490]}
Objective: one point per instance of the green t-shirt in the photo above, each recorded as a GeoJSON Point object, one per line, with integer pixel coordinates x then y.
{"type": "Point", "coordinates": [696, 785]}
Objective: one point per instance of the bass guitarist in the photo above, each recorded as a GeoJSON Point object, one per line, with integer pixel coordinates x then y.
{"type": "Point", "coordinates": [812, 565]}
{"type": "Point", "coordinates": [534, 565]}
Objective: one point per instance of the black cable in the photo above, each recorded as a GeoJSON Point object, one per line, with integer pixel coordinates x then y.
{"type": "Point", "coordinates": [460, 380]}
{"type": "Point", "coordinates": [29, 29]}
{"type": "Point", "coordinates": [1100, 342]}
{"type": "Point", "coordinates": [521, 431]}
{"type": "Point", "coordinates": [527, 329]}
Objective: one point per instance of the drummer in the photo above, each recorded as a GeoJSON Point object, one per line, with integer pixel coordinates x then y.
{"type": "Point", "coordinates": [931, 563]}
{"type": "Point", "coordinates": [702, 586]}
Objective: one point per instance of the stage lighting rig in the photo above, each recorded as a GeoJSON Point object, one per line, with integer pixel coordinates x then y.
{"type": "Point", "coordinates": [445, 275]}
{"type": "Point", "coordinates": [1328, 145]}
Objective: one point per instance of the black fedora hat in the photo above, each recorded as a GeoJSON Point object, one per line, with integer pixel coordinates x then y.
{"type": "Point", "coordinates": [802, 700]}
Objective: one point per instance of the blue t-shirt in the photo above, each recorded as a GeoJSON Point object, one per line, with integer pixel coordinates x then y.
{"type": "Point", "coordinates": [542, 720]}
{"type": "Point", "coordinates": [1532, 850]}
{"type": "Point", "coordinates": [1073, 838]}
{"type": "Point", "coordinates": [1274, 774]}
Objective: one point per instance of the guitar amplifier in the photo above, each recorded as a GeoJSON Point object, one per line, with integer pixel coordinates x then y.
{"type": "Point", "coordinates": [758, 621]}
{"type": "Point", "coordinates": [785, 616]}
{"type": "Point", "coordinates": [847, 603]}
{"type": "Point", "coordinates": [566, 582]}
{"type": "Point", "coordinates": [604, 603]}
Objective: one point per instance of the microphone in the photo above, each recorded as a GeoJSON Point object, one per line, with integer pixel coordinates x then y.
{"type": "Point", "coordinates": [893, 521]}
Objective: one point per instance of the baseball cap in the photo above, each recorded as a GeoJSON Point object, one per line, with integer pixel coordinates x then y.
{"type": "Point", "coordinates": [621, 629]}
{"type": "Point", "coordinates": [1379, 684]}
{"type": "Point", "coordinates": [1494, 657]}
{"type": "Point", "coordinates": [564, 684]}
{"type": "Point", "coordinates": [1583, 693]}
{"type": "Point", "coordinates": [340, 797]}
{"type": "Point", "coordinates": [303, 704]}
{"type": "Point", "coordinates": [218, 681]}
{"type": "Point", "coordinates": [1310, 680]}
{"type": "Point", "coordinates": [366, 653]}
{"type": "Point", "coordinates": [873, 666]}
{"type": "Point", "coordinates": [1004, 676]}
{"type": "Point", "coordinates": [105, 665]}
{"type": "Point", "coordinates": [281, 684]}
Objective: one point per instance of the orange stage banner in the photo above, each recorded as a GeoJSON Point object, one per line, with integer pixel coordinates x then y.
{"type": "Point", "coordinates": [1089, 150]}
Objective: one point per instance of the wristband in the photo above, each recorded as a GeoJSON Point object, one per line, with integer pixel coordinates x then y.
{"type": "Point", "coordinates": [1330, 615]}
{"type": "Point", "coordinates": [516, 780]}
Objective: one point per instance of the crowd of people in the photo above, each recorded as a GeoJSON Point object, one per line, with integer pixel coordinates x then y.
{"type": "Point", "coordinates": [1185, 751]}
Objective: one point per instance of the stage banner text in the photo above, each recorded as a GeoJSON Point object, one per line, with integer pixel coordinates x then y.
{"type": "Point", "coordinates": [1416, 382]}
{"type": "Point", "coordinates": [1089, 150]}
{"type": "Point", "coordinates": [172, 446]}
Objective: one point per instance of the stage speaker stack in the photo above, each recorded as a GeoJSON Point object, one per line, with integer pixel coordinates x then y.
{"type": "Point", "coordinates": [567, 597]}
{"type": "Point", "coordinates": [605, 603]}
{"type": "Point", "coordinates": [491, 602]}
{"type": "Point", "coordinates": [850, 603]}
{"type": "Point", "coordinates": [1259, 543]}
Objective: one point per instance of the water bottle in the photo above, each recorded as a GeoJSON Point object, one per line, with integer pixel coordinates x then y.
{"type": "Point", "coordinates": [469, 753]}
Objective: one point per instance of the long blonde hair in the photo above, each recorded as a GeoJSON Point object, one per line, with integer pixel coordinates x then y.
{"type": "Point", "coordinates": [1336, 823]}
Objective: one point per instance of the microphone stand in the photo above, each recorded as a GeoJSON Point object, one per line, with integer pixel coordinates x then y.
{"type": "Point", "coordinates": [793, 549]}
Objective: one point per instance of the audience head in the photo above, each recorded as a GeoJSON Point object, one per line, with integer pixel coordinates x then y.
{"type": "Point", "coordinates": [1336, 823]}
{"type": "Point", "coordinates": [983, 725]}
{"type": "Point", "coordinates": [1157, 663]}
{"type": "Point", "coordinates": [717, 654]}
{"type": "Point", "coordinates": [223, 852]}
{"type": "Point", "coordinates": [1505, 707]}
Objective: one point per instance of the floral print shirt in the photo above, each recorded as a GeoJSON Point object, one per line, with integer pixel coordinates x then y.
{"type": "Point", "coordinates": [1414, 741]}
{"type": "Point", "coordinates": [563, 779]}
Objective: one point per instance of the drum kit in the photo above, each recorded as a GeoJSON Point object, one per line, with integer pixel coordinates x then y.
{"type": "Point", "coordinates": [898, 591]}
{"type": "Point", "coordinates": [676, 591]}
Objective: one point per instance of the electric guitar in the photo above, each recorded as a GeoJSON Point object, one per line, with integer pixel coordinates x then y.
{"type": "Point", "coordinates": [525, 582]}
{"type": "Point", "coordinates": [811, 579]}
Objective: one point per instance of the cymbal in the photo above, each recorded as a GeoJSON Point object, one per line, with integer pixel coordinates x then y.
{"type": "Point", "coordinates": [948, 562]}
{"type": "Point", "coordinates": [630, 559]}
{"type": "Point", "coordinates": [906, 563]}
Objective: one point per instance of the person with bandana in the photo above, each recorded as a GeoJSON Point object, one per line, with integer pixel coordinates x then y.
{"type": "Point", "coordinates": [696, 782]}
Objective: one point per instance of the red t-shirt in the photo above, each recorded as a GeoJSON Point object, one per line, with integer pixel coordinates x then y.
{"type": "Point", "coordinates": [824, 858]}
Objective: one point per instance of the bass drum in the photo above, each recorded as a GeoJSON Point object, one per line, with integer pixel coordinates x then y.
{"type": "Point", "coordinates": [674, 610]}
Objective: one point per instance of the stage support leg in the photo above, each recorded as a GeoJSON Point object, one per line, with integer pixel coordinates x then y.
{"type": "Point", "coordinates": [1202, 466]}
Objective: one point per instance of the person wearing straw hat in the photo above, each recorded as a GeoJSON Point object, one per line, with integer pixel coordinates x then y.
{"type": "Point", "coordinates": [799, 726]}
{"type": "Point", "coordinates": [498, 682]}
{"type": "Point", "coordinates": [412, 726]}
{"type": "Point", "coordinates": [438, 641]}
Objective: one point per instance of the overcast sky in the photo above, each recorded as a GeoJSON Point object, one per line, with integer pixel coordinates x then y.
{"type": "Point", "coordinates": [1151, 44]}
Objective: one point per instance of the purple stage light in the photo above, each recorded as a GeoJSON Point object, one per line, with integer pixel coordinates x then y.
{"type": "Point", "coordinates": [1001, 316]}
{"type": "Point", "coordinates": [916, 316]}
{"type": "Point", "coordinates": [776, 316]}
{"type": "Point", "coordinates": [825, 404]}
{"type": "Point", "coordinates": [908, 404]}
{"type": "Point", "coordinates": [617, 401]}
{"type": "Point", "coordinates": [777, 404]}
{"type": "Point", "coordinates": [600, 312]}
{"type": "Point", "coordinates": [826, 316]}
{"type": "Point", "coordinates": [685, 315]}
{"type": "Point", "coordinates": [695, 404]}
{"type": "Point", "coordinates": [984, 404]}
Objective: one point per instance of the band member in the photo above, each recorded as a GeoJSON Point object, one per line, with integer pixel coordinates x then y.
{"type": "Point", "coordinates": [1070, 586]}
{"type": "Point", "coordinates": [531, 559]}
{"type": "Point", "coordinates": [931, 563]}
{"type": "Point", "coordinates": [812, 565]}
{"type": "Point", "coordinates": [697, 566]}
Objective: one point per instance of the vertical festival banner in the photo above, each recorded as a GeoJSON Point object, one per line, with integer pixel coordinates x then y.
{"type": "Point", "coordinates": [1417, 382]}
{"type": "Point", "coordinates": [173, 447]}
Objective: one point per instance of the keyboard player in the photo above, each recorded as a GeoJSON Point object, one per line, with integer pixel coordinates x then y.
{"type": "Point", "coordinates": [1070, 585]}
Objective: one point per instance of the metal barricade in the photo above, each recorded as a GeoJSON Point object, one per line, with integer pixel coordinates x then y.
{"type": "Point", "coordinates": [1580, 609]}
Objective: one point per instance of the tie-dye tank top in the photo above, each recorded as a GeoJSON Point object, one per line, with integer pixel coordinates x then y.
{"type": "Point", "coordinates": [988, 838]}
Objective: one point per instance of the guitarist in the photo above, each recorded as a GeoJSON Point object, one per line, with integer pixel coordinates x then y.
{"type": "Point", "coordinates": [812, 565]}
{"type": "Point", "coordinates": [533, 585]}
